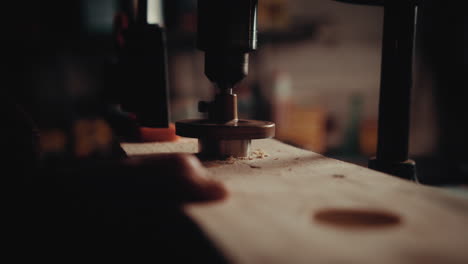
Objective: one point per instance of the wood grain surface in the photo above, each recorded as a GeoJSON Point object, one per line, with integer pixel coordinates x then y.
{"type": "Point", "coordinates": [288, 205]}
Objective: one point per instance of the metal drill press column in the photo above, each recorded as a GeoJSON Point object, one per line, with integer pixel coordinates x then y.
{"type": "Point", "coordinates": [395, 87]}
{"type": "Point", "coordinates": [395, 90]}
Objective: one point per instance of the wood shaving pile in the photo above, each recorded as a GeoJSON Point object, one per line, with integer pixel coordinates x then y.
{"type": "Point", "coordinates": [230, 160]}
{"type": "Point", "coordinates": [256, 154]}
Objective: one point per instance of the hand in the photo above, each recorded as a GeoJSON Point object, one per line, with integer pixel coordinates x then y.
{"type": "Point", "coordinates": [128, 209]}
{"type": "Point", "coordinates": [171, 178]}
{"type": "Point", "coordinates": [150, 181]}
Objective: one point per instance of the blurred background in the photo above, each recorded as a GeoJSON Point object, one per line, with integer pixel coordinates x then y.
{"type": "Point", "coordinates": [316, 73]}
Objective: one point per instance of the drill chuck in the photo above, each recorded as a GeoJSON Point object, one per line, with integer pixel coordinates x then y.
{"type": "Point", "coordinates": [227, 31]}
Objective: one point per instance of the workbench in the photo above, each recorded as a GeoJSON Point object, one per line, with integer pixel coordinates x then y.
{"type": "Point", "coordinates": [289, 205]}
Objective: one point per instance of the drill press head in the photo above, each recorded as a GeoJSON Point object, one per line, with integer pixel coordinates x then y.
{"type": "Point", "coordinates": [227, 32]}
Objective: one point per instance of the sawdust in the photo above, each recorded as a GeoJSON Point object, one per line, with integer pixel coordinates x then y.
{"type": "Point", "coordinates": [231, 160]}
{"type": "Point", "coordinates": [259, 154]}
{"type": "Point", "coordinates": [254, 155]}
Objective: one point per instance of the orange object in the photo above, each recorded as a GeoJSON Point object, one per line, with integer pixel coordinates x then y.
{"type": "Point", "coordinates": [149, 134]}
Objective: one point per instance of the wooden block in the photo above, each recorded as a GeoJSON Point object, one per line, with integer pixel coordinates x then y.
{"type": "Point", "coordinates": [288, 205]}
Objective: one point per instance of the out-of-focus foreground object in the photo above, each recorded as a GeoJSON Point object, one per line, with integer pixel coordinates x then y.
{"type": "Point", "coordinates": [142, 64]}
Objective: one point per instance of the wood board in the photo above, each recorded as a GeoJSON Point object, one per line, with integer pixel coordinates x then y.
{"type": "Point", "coordinates": [286, 205]}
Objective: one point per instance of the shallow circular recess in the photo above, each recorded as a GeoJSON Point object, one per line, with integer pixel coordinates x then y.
{"type": "Point", "coordinates": [356, 218]}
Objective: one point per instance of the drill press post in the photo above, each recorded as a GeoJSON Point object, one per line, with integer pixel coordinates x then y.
{"type": "Point", "coordinates": [227, 32]}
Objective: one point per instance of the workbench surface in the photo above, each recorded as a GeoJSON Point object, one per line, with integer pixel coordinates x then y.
{"type": "Point", "coordinates": [288, 205]}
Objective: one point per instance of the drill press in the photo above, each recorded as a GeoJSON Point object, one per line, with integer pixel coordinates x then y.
{"type": "Point", "coordinates": [227, 32]}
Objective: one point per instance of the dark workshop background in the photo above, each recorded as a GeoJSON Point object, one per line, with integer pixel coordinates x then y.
{"type": "Point", "coordinates": [316, 74]}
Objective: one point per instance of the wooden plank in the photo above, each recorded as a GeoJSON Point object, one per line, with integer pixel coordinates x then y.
{"type": "Point", "coordinates": [296, 206]}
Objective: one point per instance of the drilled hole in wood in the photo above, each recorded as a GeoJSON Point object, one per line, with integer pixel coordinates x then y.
{"type": "Point", "coordinates": [338, 176]}
{"type": "Point", "coordinates": [356, 218]}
